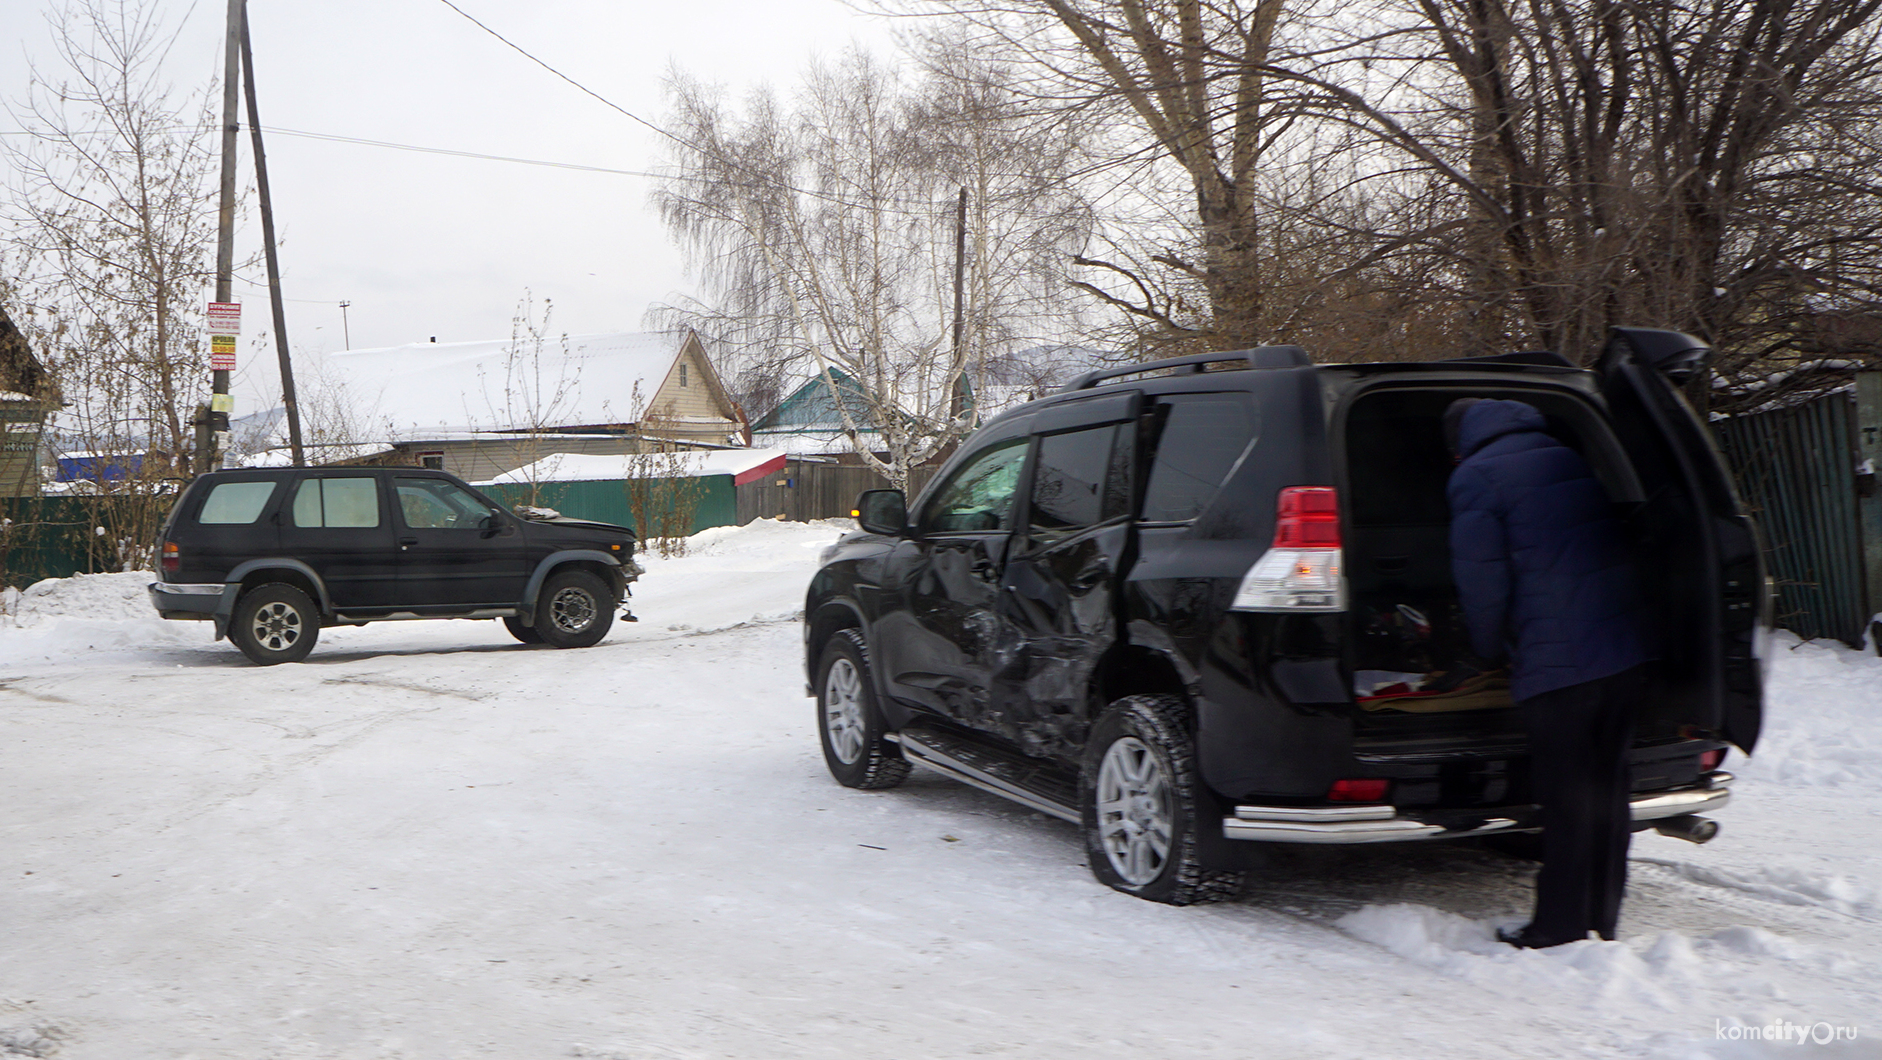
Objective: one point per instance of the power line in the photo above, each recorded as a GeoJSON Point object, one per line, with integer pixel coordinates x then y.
{"type": "Point", "coordinates": [336, 138]}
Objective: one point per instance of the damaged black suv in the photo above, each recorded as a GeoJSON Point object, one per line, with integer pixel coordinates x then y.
{"type": "Point", "coordinates": [1206, 601]}
{"type": "Point", "coordinates": [271, 555]}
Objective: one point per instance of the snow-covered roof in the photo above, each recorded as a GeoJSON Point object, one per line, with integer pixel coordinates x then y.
{"type": "Point", "coordinates": [426, 389]}
{"type": "Point", "coordinates": [743, 465]}
{"type": "Point", "coordinates": [812, 442]}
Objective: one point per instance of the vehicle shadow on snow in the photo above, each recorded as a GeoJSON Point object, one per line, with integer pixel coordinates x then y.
{"type": "Point", "coordinates": [1466, 878]}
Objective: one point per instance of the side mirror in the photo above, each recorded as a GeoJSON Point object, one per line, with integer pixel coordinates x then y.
{"type": "Point", "coordinates": [882, 512]}
{"type": "Point", "coordinates": [490, 524]}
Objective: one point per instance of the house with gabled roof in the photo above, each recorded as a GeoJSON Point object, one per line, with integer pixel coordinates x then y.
{"type": "Point", "coordinates": [482, 409]}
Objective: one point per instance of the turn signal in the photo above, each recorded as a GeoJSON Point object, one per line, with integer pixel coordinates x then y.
{"type": "Point", "coordinates": [1369, 789]}
{"type": "Point", "coordinates": [1301, 572]}
{"type": "Point", "coordinates": [172, 558]}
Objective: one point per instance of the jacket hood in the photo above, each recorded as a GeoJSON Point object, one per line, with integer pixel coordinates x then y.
{"type": "Point", "coordinates": [1487, 421]}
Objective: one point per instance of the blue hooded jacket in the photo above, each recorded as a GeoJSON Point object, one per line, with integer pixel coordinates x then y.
{"type": "Point", "coordinates": [1543, 568]}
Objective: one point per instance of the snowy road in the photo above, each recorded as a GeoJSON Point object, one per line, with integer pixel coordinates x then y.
{"type": "Point", "coordinates": [428, 841]}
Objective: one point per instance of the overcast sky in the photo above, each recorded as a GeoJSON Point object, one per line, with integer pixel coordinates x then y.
{"type": "Point", "coordinates": [427, 245]}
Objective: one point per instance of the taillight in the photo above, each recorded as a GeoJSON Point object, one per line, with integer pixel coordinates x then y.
{"type": "Point", "coordinates": [1301, 572]}
{"type": "Point", "coordinates": [172, 558]}
{"type": "Point", "coordinates": [1368, 789]}
{"type": "Point", "coordinates": [1710, 760]}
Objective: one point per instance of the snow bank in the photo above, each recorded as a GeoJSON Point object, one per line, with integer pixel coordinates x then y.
{"type": "Point", "coordinates": [1822, 725]}
{"type": "Point", "coordinates": [60, 619]}
{"type": "Point", "coordinates": [733, 576]}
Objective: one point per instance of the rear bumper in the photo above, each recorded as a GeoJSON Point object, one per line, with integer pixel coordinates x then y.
{"type": "Point", "coordinates": [186, 601]}
{"type": "Point", "coordinates": [1387, 824]}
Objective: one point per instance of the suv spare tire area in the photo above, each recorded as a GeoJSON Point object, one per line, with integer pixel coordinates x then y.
{"type": "Point", "coordinates": [275, 623]}
{"type": "Point", "coordinates": [574, 610]}
{"type": "Point", "coordinates": [1137, 800]}
{"type": "Point", "coordinates": [849, 724]}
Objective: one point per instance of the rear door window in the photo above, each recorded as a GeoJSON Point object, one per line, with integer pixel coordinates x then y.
{"type": "Point", "coordinates": [1203, 437]}
{"type": "Point", "coordinates": [337, 502]}
{"type": "Point", "coordinates": [235, 503]}
{"type": "Point", "coordinates": [1080, 479]}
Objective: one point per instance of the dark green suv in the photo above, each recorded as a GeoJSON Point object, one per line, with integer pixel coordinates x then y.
{"type": "Point", "coordinates": [271, 555]}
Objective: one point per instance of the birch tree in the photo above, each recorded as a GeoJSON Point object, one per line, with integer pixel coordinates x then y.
{"type": "Point", "coordinates": [824, 228]}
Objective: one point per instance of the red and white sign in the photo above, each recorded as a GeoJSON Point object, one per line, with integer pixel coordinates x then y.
{"type": "Point", "coordinates": [225, 318]}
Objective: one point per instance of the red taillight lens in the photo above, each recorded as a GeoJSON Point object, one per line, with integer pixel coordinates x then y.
{"type": "Point", "coordinates": [1369, 789]}
{"type": "Point", "coordinates": [1710, 760]}
{"type": "Point", "coordinates": [1307, 517]}
{"type": "Point", "coordinates": [172, 558]}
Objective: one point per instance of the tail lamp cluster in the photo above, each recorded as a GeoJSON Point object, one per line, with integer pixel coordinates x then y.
{"type": "Point", "coordinates": [172, 558]}
{"type": "Point", "coordinates": [1300, 572]}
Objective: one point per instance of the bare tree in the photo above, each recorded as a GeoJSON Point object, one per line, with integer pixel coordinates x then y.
{"type": "Point", "coordinates": [826, 232]}
{"type": "Point", "coordinates": [112, 211]}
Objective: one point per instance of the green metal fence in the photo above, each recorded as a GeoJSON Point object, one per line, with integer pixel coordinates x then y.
{"type": "Point", "coordinates": [1797, 469]}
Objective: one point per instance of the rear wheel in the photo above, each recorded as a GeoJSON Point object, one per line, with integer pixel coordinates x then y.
{"type": "Point", "coordinates": [522, 630]}
{"type": "Point", "coordinates": [275, 623]}
{"type": "Point", "coordinates": [1138, 797]}
{"type": "Point", "coordinates": [574, 610]}
{"type": "Point", "coordinates": [848, 722]}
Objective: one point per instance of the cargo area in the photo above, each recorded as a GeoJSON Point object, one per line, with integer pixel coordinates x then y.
{"type": "Point", "coordinates": [1414, 672]}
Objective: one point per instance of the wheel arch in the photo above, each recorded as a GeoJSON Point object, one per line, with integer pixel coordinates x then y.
{"type": "Point", "coordinates": [829, 617]}
{"type": "Point", "coordinates": [256, 572]}
{"type": "Point", "coordinates": [596, 562]}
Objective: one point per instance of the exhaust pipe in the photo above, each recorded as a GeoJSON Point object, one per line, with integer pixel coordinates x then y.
{"type": "Point", "coordinates": [1690, 827]}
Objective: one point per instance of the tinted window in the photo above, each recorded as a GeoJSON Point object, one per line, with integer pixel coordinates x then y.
{"type": "Point", "coordinates": [337, 502]}
{"type": "Point", "coordinates": [1071, 481]}
{"type": "Point", "coordinates": [979, 496]}
{"type": "Point", "coordinates": [236, 502]}
{"type": "Point", "coordinates": [434, 504]}
{"type": "Point", "coordinates": [1203, 436]}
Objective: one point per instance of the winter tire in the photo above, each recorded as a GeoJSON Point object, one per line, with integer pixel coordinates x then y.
{"type": "Point", "coordinates": [574, 610]}
{"type": "Point", "coordinates": [522, 631]}
{"type": "Point", "coordinates": [848, 722]}
{"type": "Point", "coordinates": [275, 623]}
{"type": "Point", "coordinates": [1138, 800]}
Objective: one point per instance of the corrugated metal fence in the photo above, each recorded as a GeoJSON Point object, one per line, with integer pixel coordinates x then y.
{"type": "Point", "coordinates": [1797, 470]}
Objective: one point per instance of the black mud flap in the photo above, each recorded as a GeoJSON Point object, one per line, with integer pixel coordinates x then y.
{"type": "Point", "coordinates": [1702, 559]}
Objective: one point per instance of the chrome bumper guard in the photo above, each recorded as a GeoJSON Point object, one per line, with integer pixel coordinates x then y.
{"type": "Point", "coordinates": [1364, 823]}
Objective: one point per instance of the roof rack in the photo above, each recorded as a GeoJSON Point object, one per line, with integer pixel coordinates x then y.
{"type": "Point", "coordinates": [1259, 357]}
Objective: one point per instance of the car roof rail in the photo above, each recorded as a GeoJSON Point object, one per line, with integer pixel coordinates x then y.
{"type": "Point", "coordinates": [1259, 357]}
{"type": "Point", "coordinates": [1547, 358]}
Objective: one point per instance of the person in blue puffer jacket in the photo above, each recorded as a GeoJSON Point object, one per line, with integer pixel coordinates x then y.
{"type": "Point", "coordinates": [1547, 578]}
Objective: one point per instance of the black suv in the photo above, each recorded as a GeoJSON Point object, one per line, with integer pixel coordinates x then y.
{"type": "Point", "coordinates": [1209, 599]}
{"type": "Point", "coordinates": [272, 555]}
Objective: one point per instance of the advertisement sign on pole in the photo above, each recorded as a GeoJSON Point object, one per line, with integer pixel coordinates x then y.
{"type": "Point", "coordinates": [222, 353]}
{"type": "Point", "coordinates": [225, 325]}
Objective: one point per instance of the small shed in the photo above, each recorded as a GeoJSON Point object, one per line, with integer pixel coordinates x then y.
{"type": "Point", "coordinates": [658, 494]}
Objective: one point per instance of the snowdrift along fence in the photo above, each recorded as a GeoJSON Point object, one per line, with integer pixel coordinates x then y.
{"type": "Point", "coordinates": [1798, 471]}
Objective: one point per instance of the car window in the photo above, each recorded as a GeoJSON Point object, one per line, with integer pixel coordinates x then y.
{"type": "Point", "coordinates": [337, 502]}
{"type": "Point", "coordinates": [1076, 482]}
{"type": "Point", "coordinates": [979, 495]}
{"type": "Point", "coordinates": [233, 503]}
{"type": "Point", "coordinates": [1202, 438]}
{"type": "Point", "coordinates": [434, 504]}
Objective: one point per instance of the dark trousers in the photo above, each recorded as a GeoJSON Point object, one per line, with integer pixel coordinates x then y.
{"type": "Point", "coordinates": [1579, 738]}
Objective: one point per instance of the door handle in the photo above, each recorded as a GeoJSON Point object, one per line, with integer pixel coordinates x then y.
{"type": "Point", "coordinates": [407, 542]}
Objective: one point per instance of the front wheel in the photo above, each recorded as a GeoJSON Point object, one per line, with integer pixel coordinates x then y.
{"type": "Point", "coordinates": [275, 623]}
{"type": "Point", "coordinates": [848, 722]}
{"type": "Point", "coordinates": [1138, 800]}
{"type": "Point", "coordinates": [574, 610]}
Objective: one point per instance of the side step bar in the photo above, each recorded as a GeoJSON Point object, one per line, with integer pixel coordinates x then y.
{"type": "Point", "coordinates": [1036, 787]}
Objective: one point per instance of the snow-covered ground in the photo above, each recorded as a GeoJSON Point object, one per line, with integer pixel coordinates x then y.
{"type": "Point", "coordinates": [428, 841]}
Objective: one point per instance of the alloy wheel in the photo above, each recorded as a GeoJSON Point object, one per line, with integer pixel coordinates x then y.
{"type": "Point", "coordinates": [1136, 811]}
{"type": "Point", "coordinates": [277, 626]}
{"type": "Point", "coordinates": [843, 710]}
{"type": "Point", "coordinates": [572, 610]}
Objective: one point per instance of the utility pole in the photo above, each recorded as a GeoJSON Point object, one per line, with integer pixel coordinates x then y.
{"type": "Point", "coordinates": [956, 404]}
{"type": "Point", "coordinates": [212, 423]}
{"type": "Point", "coordinates": [346, 333]}
{"type": "Point", "coordinates": [274, 264]}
